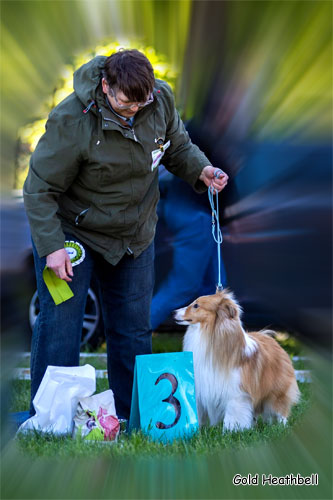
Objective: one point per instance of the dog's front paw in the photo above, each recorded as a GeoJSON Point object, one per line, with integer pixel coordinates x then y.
{"type": "Point", "coordinates": [239, 414]}
{"type": "Point", "coordinates": [230, 427]}
{"type": "Point", "coordinates": [233, 425]}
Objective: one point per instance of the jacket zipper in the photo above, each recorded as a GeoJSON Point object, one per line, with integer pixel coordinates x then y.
{"type": "Point", "coordinates": [135, 138]}
{"type": "Point", "coordinates": [92, 103]}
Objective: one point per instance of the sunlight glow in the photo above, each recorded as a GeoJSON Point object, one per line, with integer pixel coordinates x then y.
{"type": "Point", "coordinates": [30, 134]}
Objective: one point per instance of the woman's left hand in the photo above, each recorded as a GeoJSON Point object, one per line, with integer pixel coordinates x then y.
{"type": "Point", "coordinates": [214, 177]}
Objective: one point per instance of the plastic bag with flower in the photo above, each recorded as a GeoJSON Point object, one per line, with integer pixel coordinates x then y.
{"type": "Point", "coordinates": [96, 418]}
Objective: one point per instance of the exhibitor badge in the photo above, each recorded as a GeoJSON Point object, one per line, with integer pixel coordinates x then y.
{"type": "Point", "coordinates": [75, 251]}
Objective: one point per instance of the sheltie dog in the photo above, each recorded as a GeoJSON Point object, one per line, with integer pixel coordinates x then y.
{"type": "Point", "coordinates": [238, 375]}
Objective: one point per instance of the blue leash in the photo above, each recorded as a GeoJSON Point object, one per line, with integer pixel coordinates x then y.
{"type": "Point", "coordinates": [216, 230]}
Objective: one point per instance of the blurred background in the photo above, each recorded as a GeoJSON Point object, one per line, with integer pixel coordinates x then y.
{"type": "Point", "coordinates": [253, 81]}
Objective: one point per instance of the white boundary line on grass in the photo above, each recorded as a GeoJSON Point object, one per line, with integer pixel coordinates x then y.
{"type": "Point", "coordinates": [24, 374]}
{"type": "Point", "coordinates": [82, 355]}
{"type": "Point", "coordinates": [104, 355]}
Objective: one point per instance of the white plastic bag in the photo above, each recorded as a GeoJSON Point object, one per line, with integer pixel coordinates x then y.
{"type": "Point", "coordinates": [96, 418]}
{"type": "Point", "coordinates": [57, 397]}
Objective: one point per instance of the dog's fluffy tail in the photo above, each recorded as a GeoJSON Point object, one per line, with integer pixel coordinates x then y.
{"type": "Point", "coordinates": [268, 332]}
{"type": "Point", "coordinates": [294, 393]}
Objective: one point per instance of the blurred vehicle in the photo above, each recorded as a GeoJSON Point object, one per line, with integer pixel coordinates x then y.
{"type": "Point", "coordinates": [19, 298]}
{"type": "Point", "coordinates": [277, 228]}
{"type": "Point", "coordinates": [186, 264]}
{"type": "Point", "coordinates": [277, 245]}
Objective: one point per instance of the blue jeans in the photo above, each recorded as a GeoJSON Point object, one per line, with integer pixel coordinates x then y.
{"type": "Point", "coordinates": [125, 294]}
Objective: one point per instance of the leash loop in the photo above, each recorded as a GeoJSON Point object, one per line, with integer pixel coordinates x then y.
{"type": "Point", "coordinates": [216, 229]}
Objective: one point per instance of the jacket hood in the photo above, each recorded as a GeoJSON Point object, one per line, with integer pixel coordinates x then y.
{"type": "Point", "coordinates": [87, 79]}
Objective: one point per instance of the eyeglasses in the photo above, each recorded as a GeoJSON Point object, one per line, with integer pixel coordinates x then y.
{"type": "Point", "coordinates": [133, 105]}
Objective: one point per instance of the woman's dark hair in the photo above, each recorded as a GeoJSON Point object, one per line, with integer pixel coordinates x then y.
{"type": "Point", "coordinates": [131, 72]}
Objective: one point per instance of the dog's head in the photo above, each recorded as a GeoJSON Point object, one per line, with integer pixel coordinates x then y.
{"type": "Point", "coordinates": [208, 309]}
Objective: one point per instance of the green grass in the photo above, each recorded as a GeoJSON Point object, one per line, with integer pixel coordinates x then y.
{"type": "Point", "coordinates": [162, 342]}
{"type": "Point", "coordinates": [302, 364]}
{"type": "Point", "coordinates": [173, 342]}
{"type": "Point", "coordinates": [167, 342]}
{"type": "Point", "coordinates": [208, 440]}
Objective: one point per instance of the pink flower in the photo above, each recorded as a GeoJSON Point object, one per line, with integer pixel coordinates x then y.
{"type": "Point", "coordinates": [109, 423]}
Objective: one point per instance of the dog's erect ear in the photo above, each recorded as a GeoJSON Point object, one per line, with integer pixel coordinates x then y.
{"type": "Point", "coordinates": [231, 309]}
{"type": "Point", "coordinates": [228, 309]}
{"type": "Point", "coordinates": [227, 306]}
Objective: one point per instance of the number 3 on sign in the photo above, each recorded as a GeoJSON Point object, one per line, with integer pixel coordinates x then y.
{"type": "Point", "coordinates": [170, 399]}
{"type": "Point", "coordinates": [164, 410]}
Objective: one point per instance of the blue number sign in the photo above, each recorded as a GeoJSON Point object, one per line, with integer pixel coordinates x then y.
{"type": "Point", "coordinates": [163, 397]}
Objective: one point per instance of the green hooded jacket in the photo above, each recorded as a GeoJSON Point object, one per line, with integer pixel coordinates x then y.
{"type": "Point", "coordinates": [92, 177]}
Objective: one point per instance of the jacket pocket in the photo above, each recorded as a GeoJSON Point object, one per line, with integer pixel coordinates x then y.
{"type": "Point", "coordinates": [70, 208]}
{"type": "Point", "coordinates": [95, 219]}
{"type": "Point", "coordinates": [80, 216]}
{"type": "Point", "coordinates": [91, 217]}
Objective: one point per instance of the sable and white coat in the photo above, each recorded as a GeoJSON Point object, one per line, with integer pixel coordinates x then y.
{"type": "Point", "coordinates": [238, 375]}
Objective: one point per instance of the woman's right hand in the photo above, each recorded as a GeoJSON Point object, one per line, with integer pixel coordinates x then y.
{"type": "Point", "coordinates": [61, 265]}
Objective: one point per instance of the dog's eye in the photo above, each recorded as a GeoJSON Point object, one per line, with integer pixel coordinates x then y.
{"type": "Point", "coordinates": [196, 306]}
